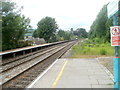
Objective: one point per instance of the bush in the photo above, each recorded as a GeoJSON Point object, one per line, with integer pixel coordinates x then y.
{"type": "Point", "coordinates": [103, 45]}
{"type": "Point", "coordinates": [21, 44]}
{"type": "Point", "coordinates": [97, 40]}
{"type": "Point", "coordinates": [96, 45]}
{"type": "Point", "coordinates": [91, 48]}
{"type": "Point", "coordinates": [103, 52]}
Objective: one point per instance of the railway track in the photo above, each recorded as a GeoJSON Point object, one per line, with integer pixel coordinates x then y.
{"type": "Point", "coordinates": [10, 60]}
{"type": "Point", "coordinates": [20, 72]}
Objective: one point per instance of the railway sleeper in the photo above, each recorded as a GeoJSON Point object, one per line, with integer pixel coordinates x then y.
{"type": "Point", "coordinates": [32, 77]}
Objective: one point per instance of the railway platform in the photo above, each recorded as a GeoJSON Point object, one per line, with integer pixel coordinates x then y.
{"type": "Point", "coordinates": [74, 73]}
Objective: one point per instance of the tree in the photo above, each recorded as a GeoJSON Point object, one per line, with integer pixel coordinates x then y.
{"type": "Point", "coordinates": [14, 25]}
{"type": "Point", "coordinates": [71, 30]}
{"type": "Point", "coordinates": [119, 13]}
{"type": "Point", "coordinates": [81, 33]}
{"type": "Point", "coordinates": [100, 28]}
{"type": "Point", "coordinates": [35, 34]}
{"type": "Point", "coordinates": [61, 33]}
{"type": "Point", "coordinates": [47, 29]}
{"type": "Point", "coordinates": [65, 35]}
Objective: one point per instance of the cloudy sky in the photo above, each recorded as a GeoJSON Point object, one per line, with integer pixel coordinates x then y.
{"type": "Point", "coordinates": [67, 13]}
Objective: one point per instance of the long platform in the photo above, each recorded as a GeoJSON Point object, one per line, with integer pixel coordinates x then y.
{"type": "Point", "coordinates": [30, 47]}
{"type": "Point", "coordinates": [74, 73]}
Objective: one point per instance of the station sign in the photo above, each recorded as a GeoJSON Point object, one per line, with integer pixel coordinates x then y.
{"type": "Point", "coordinates": [115, 35]}
{"type": "Point", "coordinates": [112, 8]}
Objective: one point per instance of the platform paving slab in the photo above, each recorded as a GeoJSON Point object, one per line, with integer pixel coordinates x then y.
{"type": "Point", "coordinates": [78, 73]}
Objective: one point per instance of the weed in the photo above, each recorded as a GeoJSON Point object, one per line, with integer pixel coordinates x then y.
{"type": "Point", "coordinates": [103, 52]}
{"type": "Point", "coordinates": [88, 47]}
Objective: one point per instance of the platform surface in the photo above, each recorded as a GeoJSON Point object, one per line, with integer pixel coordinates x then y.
{"type": "Point", "coordinates": [75, 73]}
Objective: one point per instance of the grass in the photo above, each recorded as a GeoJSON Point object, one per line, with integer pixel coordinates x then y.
{"type": "Point", "coordinates": [92, 49]}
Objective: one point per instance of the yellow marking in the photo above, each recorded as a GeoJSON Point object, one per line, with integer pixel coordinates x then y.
{"type": "Point", "coordinates": [59, 75]}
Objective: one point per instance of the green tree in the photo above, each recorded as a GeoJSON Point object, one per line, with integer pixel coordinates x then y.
{"type": "Point", "coordinates": [119, 13]}
{"type": "Point", "coordinates": [99, 27]}
{"type": "Point", "coordinates": [35, 34]}
{"type": "Point", "coordinates": [47, 29]}
{"type": "Point", "coordinates": [65, 35]}
{"type": "Point", "coordinates": [61, 33]}
{"type": "Point", "coordinates": [14, 25]}
{"type": "Point", "coordinates": [81, 33]}
{"type": "Point", "coordinates": [108, 24]}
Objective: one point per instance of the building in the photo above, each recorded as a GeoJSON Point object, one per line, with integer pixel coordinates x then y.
{"type": "Point", "coordinates": [33, 41]}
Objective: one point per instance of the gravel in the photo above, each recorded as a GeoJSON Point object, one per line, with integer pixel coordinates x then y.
{"type": "Point", "coordinates": [107, 62]}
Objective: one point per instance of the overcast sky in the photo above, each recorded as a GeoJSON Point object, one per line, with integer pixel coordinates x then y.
{"type": "Point", "coordinates": [67, 13]}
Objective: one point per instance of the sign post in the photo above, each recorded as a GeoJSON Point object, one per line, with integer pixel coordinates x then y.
{"type": "Point", "coordinates": [115, 41]}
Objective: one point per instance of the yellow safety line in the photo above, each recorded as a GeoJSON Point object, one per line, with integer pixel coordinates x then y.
{"type": "Point", "coordinates": [59, 75]}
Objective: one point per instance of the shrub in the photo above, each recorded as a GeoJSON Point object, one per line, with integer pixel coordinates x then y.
{"type": "Point", "coordinates": [24, 44]}
{"type": "Point", "coordinates": [103, 52]}
{"type": "Point", "coordinates": [96, 45]}
{"type": "Point", "coordinates": [90, 48]}
{"type": "Point", "coordinates": [97, 40]}
{"type": "Point", "coordinates": [102, 45]}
